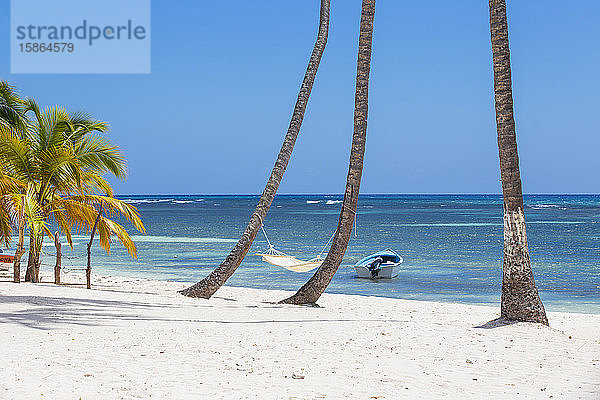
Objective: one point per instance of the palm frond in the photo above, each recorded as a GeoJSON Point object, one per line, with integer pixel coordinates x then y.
{"type": "Point", "coordinates": [83, 124]}
{"type": "Point", "coordinates": [113, 207]}
{"type": "Point", "coordinates": [12, 107]}
{"type": "Point", "coordinates": [92, 183]}
{"type": "Point", "coordinates": [97, 153]}
{"type": "Point", "coordinates": [15, 155]}
{"type": "Point", "coordinates": [6, 221]}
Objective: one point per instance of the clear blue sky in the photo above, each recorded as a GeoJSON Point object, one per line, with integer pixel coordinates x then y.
{"type": "Point", "coordinates": [211, 116]}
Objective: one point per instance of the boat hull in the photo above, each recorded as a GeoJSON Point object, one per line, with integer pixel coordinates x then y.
{"type": "Point", "coordinates": [387, 272]}
{"type": "Point", "coordinates": [381, 265]}
{"type": "Point", "coordinates": [6, 261]}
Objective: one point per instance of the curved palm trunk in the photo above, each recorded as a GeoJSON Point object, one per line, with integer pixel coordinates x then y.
{"type": "Point", "coordinates": [520, 299]}
{"type": "Point", "coordinates": [314, 288]}
{"type": "Point", "coordinates": [209, 285]}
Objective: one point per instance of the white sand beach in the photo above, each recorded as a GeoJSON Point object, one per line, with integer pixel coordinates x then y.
{"type": "Point", "coordinates": [139, 339]}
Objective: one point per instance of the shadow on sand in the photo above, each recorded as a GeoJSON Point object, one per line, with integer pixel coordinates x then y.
{"type": "Point", "coordinates": [496, 323]}
{"type": "Point", "coordinates": [48, 313]}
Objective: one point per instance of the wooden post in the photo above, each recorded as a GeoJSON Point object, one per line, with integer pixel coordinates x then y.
{"type": "Point", "coordinates": [58, 258]}
{"type": "Point", "coordinates": [20, 246]}
{"type": "Point", "coordinates": [88, 271]}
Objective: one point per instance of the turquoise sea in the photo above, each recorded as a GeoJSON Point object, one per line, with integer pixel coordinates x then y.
{"type": "Point", "coordinates": [451, 244]}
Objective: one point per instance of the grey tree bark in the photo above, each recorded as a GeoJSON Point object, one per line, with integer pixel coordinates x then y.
{"type": "Point", "coordinates": [30, 272]}
{"type": "Point", "coordinates": [314, 288]}
{"type": "Point", "coordinates": [88, 270]}
{"type": "Point", "coordinates": [520, 299]}
{"type": "Point", "coordinates": [20, 245]}
{"type": "Point", "coordinates": [210, 284]}
{"type": "Point", "coordinates": [37, 261]}
{"type": "Point", "coordinates": [57, 266]}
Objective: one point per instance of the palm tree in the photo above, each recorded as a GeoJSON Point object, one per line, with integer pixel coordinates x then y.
{"type": "Point", "coordinates": [68, 157]}
{"type": "Point", "coordinates": [12, 208]}
{"type": "Point", "coordinates": [20, 242]}
{"type": "Point", "coordinates": [12, 119]}
{"type": "Point", "coordinates": [520, 299]}
{"type": "Point", "coordinates": [314, 288]}
{"type": "Point", "coordinates": [8, 186]}
{"type": "Point", "coordinates": [92, 213]}
{"type": "Point", "coordinates": [217, 278]}
{"type": "Point", "coordinates": [58, 263]}
{"type": "Point", "coordinates": [21, 204]}
{"type": "Point", "coordinates": [62, 158]}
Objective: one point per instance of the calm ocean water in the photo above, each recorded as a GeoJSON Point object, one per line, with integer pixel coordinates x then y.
{"type": "Point", "coordinates": [451, 244]}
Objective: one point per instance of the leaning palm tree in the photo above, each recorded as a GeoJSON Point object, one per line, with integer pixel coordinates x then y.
{"type": "Point", "coordinates": [217, 278]}
{"type": "Point", "coordinates": [520, 299]}
{"type": "Point", "coordinates": [314, 288]}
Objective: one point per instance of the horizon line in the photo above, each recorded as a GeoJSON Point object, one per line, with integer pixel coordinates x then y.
{"type": "Point", "coordinates": [341, 194]}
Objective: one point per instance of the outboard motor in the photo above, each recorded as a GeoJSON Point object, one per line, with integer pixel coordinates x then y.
{"type": "Point", "coordinates": [375, 267]}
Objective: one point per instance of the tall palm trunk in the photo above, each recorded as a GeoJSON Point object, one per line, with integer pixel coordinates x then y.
{"type": "Point", "coordinates": [209, 285]}
{"type": "Point", "coordinates": [314, 288]}
{"type": "Point", "coordinates": [520, 299]}
{"type": "Point", "coordinates": [30, 272]}
{"type": "Point", "coordinates": [88, 270]}
{"type": "Point", "coordinates": [20, 245]}
{"type": "Point", "coordinates": [37, 260]}
{"type": "Point", "coordinates": [33, 262]}
{"type": "Point", "coordinates": [58, 264]}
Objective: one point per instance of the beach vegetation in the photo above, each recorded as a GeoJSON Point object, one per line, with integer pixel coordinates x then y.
{"type": "Point", "coordinates": [57, 162]}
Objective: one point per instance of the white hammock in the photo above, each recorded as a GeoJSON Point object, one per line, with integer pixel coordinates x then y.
{"type": "Point", "coordinates": [291, 263]}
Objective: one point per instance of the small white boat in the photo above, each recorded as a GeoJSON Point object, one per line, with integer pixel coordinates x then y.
{"type": "Point", "coordinates": [381, 265]}
{"type": "Point", "coordinates": [6, 260]}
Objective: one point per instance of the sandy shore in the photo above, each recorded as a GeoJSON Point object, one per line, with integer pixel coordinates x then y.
{"type": "Point", "coordinates": [139, 339]}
